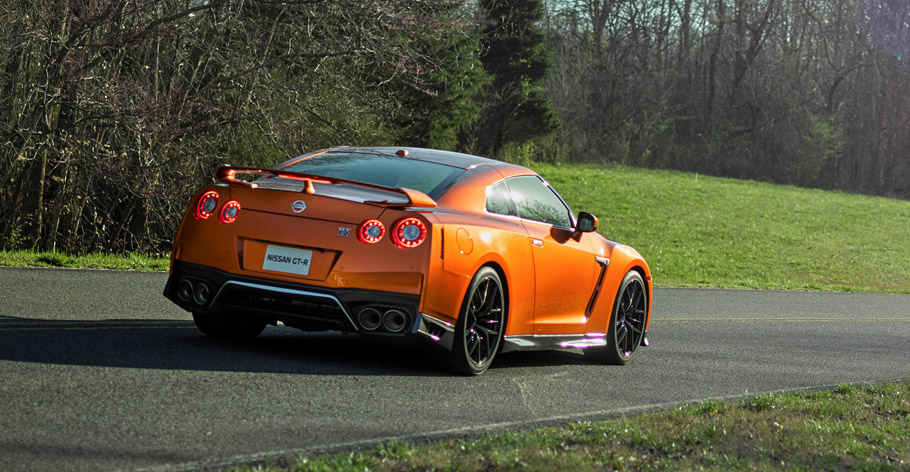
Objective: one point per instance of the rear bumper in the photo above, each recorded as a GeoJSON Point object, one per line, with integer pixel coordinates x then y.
{"type": "Point", "coordinates": [301, 306]}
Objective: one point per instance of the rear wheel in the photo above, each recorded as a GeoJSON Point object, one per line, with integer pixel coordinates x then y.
{"type": "Point", "coordinates": [627, 324]}
{"type": "Point", "coordinates": [228, 327]}
{"type": "Point", "coordinates": [480, 326]}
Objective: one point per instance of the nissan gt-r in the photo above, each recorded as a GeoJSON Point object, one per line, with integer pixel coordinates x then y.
{"type": "Point", "coordinates": [472, 255]}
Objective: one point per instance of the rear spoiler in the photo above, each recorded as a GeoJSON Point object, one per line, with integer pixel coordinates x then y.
{"type": "Point", "coordinates": [228, 175]}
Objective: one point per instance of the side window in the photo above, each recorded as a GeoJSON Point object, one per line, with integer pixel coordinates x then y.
{"type": "Point", "coordinates": [498, 199]}
{"type": "Point", "coordinates": [536, 201]}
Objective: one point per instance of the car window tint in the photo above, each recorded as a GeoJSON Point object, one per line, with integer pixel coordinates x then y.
{"type": "Point", "coordinates": [536, 201]}
{"type": "Point", "coordinates": [387, 171]}
{"type": "Point", "coordinates": [498, 199]}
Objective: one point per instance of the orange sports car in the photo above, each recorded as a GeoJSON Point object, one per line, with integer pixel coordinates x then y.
{"type": "Point", "coordinates": [474, 255]}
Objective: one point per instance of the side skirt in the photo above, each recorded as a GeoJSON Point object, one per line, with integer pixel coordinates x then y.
{"type": "Point", "coordinates": [553, 341]}
{"type": "Point", "coordinates": [542, 342]}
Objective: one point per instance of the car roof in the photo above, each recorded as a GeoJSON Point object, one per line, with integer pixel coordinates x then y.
{"type": "Point", "coordinates": [436, 156]}
{"type": "Point", "coordinates": [477, 172]}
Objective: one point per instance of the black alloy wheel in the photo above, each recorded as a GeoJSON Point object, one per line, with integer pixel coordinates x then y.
{"type": "Point", "coordinates": [480, 327]}
{"type": "Point", "coordinates": [627, 324]}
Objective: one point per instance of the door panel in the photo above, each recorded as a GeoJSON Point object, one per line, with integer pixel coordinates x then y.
{"type": "Point", "coordinates": [564, 267]}
{"type": "Point", "coordinates": [565, 275]}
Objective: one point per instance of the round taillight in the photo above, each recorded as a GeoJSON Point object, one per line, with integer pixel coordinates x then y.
{"type": "Point", "coordinates": [206, 205]}
{"type": "Point", "coordinates": [409, 232]}
{"type": "Point", "coordinates": [371, 231]}
{"type": "Point", "coordinates": [229, 212]}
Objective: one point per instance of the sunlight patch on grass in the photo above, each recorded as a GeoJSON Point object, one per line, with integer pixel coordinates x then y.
{"type": "Point", "coordinates": [698, 231]}
{"type": "Point", "coordinates": [717, 232]}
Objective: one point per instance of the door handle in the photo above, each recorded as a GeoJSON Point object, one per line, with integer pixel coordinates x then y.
{"type": "Point", "coordinates": [536, 242]}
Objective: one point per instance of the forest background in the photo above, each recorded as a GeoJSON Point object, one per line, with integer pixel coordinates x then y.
{"type": "Point", "coordinates": [113, 112]}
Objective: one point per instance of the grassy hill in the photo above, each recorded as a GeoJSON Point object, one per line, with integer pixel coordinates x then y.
{"type": "Point", "coordinates": [705, 231]}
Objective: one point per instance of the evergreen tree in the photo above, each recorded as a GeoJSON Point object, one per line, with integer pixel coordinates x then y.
{"type": "Point", "coordinates": [440, 83]}
{"type": "Point", "coordinates": [514, 55]}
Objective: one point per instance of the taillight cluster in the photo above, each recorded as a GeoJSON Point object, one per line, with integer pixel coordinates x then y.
{"type": "Point", "coordinates": [407, 232]}
{"type": "Point", "coordinates": [371, 231]}
{"type": "Point", "coordinates": [207, 204]}
{"type": "Point", "coordinates": [229, 212]}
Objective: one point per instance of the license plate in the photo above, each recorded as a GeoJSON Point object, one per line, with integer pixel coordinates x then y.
{"type": "Point", "coordinates": [287, 259]}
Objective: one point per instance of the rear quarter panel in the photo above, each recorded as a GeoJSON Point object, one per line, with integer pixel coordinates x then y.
{"type": "Point", "coordinates": [466, 244]}
{"type": "Point", "coordinates": [470, 238]}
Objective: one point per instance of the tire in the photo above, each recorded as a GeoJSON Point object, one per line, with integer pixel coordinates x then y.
{"type": "Point", "coordinates": [228, 327]}
{"type": "Point", "coordinates": [627, 323]}
{"type": "Point", "coordinates": [205, 323]}
{"type": "Point", "coordinates": [480, 326]}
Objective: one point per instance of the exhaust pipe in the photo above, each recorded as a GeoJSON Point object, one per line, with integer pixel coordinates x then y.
{"type": "Point", "coordinates": [201, 293]}
{"type": "Point", "coordinates": [369, 319]}
{"type": "Point", "coordinates": [394, 321]}
{"type": "Point", "coordinates": [185, 290]}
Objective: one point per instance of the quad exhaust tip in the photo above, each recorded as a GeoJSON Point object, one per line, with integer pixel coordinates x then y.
{"type": "Point", "coordinates": [394, 321]}
{"type": "Point", "coordinates": [370, 319]}
{"type": "Point", "coordinates": [185, 290]}
{"type": "Point", "coordinates": [200, 292]}
{"type": "Point", "coordinates": [391, 320]}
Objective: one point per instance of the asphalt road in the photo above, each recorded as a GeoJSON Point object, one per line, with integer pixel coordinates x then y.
{"type": "Point", "coordinates": [99, 372]}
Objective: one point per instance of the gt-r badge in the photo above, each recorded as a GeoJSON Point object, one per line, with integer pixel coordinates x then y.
{"type": "Point", "coordinates": [298, 206]}
{"type": "Point", "coordinates": [344, 232]}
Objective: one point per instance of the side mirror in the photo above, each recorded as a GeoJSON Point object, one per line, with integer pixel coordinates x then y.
{"type": "Point", "coordinates": [587, 223]}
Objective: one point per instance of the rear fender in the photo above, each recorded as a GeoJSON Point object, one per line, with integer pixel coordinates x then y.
{"type": "Point", "coordinates": [461, 249]}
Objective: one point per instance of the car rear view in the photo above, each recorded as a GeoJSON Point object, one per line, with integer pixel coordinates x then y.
{"type": "Point", "coordinates": [471, 255]}
{"type": "Point", "coordinates": [329, 241]}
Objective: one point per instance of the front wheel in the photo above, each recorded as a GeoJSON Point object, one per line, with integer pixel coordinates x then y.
{"type": "Point", "coordinates": [480, 326]}
{"type": "Point", "coordinates": [627, 324]}
{"type": "Point", "coordinates": [228, 327]}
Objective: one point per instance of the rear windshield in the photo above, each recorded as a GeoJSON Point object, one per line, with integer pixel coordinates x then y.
{"type": "Point", "coordinates": [387, 171]}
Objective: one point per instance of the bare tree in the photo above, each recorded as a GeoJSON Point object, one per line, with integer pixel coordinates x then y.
{"type": "Point", "coordinates": [808, 92]}
{"type": "Point", "coordinates": [113, 111]}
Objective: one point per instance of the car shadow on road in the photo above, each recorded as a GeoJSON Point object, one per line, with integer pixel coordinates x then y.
{"type": "Point", "coordinates": [178, 345]}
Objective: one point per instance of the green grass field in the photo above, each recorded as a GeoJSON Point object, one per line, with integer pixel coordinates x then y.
{"type": "Point", "coordinates": [703, 231]}
{"type": "Point", "coordinates": [712, 232]}
{"type": "Point", "coordinates": [88, 261]}
{"type": "Point", "coordinates": [849, 428]}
